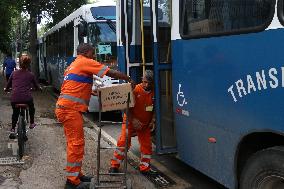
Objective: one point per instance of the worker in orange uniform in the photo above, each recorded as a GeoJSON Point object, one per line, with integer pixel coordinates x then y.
{"type": "Point", "coordinates": [140, 122]}
{"type": "Point", "coordinates": [74, 98]}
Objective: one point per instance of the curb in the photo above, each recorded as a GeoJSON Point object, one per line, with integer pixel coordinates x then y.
{"type": "Point", "coordinates": [180, 183]}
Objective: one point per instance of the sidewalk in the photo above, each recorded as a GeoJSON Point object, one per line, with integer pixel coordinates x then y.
{"type": "Point", "coordinates": [45, 157]}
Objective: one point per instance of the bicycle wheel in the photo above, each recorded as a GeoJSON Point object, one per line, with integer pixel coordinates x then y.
{"type": "Point", "coordinates": [21, 134]}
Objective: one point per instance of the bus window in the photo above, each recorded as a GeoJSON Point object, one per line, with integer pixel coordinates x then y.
{"type": "Point", "coordinates": [69, 39]}
{"type": "Point", "coordinates": [211, 17]}
{"type": "Point", "coordinates": [129, 21]}
{"type": "Point", "coordinates": [102, 35]}
{"type": "Point", "coordinates": [105, 12]}
{"type": "Point", "coordinates": [280, 11]}
{"type": "Point", "coordinates": [164, 31]}
{"type": "Point", "coordinates": [61, 44]}
{"type": "Point", "coordinates": [56, 45]}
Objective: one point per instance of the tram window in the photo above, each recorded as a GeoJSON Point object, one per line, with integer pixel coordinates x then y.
{"type": "Point", "coordinates": [211, 17]}
{"type": "Point", "coordinates": [280, 11]}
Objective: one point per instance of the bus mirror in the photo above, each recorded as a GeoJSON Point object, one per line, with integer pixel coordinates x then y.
{"type": "Point", "coordinates": [82, 29]}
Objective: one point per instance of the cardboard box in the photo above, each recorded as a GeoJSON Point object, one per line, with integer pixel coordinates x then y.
{"type": "Point", "coordinates": [114, 97]}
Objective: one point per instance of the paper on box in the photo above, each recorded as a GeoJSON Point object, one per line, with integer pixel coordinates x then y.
{"type": "Point", "coordinates": [114, 97]}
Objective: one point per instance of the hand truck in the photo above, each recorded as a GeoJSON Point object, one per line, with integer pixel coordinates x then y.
{"type": "Point", "coordinates": [97, 182]}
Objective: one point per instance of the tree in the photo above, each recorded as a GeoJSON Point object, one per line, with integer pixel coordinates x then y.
{"type": "Point", "coordinates": [57, 9]}
{"type": "Point", "coordinates": [9, 9]}
{"type": "Point", "coordinates": [65, 7]}
{"type": "Point", "coordinates": [12, 9]}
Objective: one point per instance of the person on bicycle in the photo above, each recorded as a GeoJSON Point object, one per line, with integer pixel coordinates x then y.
{"type": "Point", "coordinates": [141, 122]}
{"type": "Point", "coordinates": [9, 65]}
{"type": "Point", "coordinates": [74, 98]}
{"type": "Point", "coordinates": [21, 81]}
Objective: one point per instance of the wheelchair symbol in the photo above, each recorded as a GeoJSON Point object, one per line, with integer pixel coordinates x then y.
{"type": "Point", "coordinates": [180, 97]}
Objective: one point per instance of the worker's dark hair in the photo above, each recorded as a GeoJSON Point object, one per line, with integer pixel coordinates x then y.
{"type": "Point", "coordinates": [149, 76]}
{"type": "Point", "coordinates": [25, 61]}
{"type": "Point", "coordinates": [84, 48]}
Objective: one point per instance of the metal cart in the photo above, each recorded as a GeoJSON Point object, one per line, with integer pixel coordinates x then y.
{"type": "Point", "coordinates": [121, 180]}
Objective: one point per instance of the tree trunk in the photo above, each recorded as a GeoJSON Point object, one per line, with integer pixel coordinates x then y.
{"type": "Point", "coordinates": [33, 43]}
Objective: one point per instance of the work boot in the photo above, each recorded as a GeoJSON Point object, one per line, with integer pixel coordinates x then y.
{"type": "Point", "coordinates": [25, 138]}
{"type": "Point", "coordinates": [82, 185]}
{"type": "Point", "coordinates": [85, 178]}
{"type": "Point", "coordinates": [149, 172]}
{"type": "Point", "coordinates": [113, 170]}
{"type": "Point", "coordinates": [12, 134]}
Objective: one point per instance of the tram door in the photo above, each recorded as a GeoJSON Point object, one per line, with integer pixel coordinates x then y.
{"type": "Point", "coordinates": [165, 128]}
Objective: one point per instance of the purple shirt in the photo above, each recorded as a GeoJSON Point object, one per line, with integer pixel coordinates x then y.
{"type": "Point", "coordinates": [22, 81]}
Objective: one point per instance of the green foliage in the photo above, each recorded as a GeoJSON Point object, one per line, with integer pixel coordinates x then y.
{"type": "Point", "coordinates": [15, 28]}
{"type": "Point", "coordinates": [57, 10]}
{"type": "Point", "coordinates": [20, 33]}
{"type": "Point", "coordinates": [65, 7]}
{"type": "Point", "coordinates": [42, 30]}
{"type": "Point", "coordinates": [9, 9]}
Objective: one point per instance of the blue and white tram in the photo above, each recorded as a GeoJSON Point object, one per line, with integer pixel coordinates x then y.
{"type": "Point", "coordinates": [219, 78]}
{"type": "Point", "coordinates": [91, 23]}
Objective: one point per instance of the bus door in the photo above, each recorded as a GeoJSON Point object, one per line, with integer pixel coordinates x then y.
{"type": "Point", "coordinates": [147, 45]}
{"type": "Point", "coordinates": [165, 128]}
{"type": "Point", "coordinates": [136, 38]}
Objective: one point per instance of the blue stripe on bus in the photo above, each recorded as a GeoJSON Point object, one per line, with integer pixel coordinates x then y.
{"type": "Point", "coordinates": [78, 78]}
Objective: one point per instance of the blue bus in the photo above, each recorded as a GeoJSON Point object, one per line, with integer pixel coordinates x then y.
{"type": "Point", "coordinates": [219, 78]}
{"type": "Point", "coordinates": [91, 23]}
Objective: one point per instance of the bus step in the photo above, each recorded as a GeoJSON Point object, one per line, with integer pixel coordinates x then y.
{"type": "Point", "coordinates": [112, 174]}
{"type": "Point", "coordinates": [107, 148]}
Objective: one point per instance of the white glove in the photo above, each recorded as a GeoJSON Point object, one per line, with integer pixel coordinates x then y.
{"type": "Point", "coordinates": [152, 125]}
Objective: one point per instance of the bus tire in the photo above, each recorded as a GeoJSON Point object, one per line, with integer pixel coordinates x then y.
{"type": "Point", "coordinates": [264, 169]}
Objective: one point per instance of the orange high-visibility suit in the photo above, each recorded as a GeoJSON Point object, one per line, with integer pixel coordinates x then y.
{"type": "Point", "coordinates": [73, 100]}
{"type": "Point", "coordinates": [143, 112]}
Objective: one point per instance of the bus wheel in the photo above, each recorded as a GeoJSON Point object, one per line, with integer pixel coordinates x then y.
{"type": "Point", "coordinates": [264, 170]}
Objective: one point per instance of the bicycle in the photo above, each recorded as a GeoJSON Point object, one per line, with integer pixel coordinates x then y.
{"type": "Point", "coordinates": [23, 120]}
{"type": "Point", "coordinates": [21, 129]}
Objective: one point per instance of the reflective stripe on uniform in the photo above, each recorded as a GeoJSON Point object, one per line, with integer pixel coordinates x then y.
{"type": "Point", "coordinates": [72, 174]}
{"type": "Point", "coordinates": [145, 156]}
{"type": "Point", "coordinates": [78, 78]}
{"type": "Point", "coordinates": [59, 106]}
{"type": "Point", "coordinates": [119, 152]}
{"type": "Point", "coordinates": [75, 99]}
{"type": "Point", "coordinates": [75, 164]}
{"type": "Point", "coordinates": [144, 163]}
{"type": "Point", "coordinates": [117, 160]}
{"type": "Point", "coordinates": [101, 72]}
